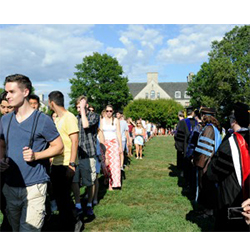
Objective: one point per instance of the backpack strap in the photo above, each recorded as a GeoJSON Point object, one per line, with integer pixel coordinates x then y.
{"type": "Point", "coordinates": [35, 122]}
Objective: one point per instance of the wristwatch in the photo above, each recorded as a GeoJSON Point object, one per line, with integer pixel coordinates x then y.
{"type": "Point", "coordinates": [72, 164]}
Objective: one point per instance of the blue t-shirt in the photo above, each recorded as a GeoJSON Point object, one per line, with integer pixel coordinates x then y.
{"type": "Point", "coordinates": [1, 129]}
{"type": "Point", "coordinates": [22, 173]}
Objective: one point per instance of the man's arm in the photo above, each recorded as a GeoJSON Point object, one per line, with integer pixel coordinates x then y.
{"type": "Point", "coordinates": [2, 143]}
{"type": "Point", "coordinates": [85, 122]}
{"type": "Point", "coordinates": [55, 148]}
{"type": "Point", "coordinates": [74, 148]}
{"type": "Point", "coordinates": [3, 163]}
{"type": "Point", "coordinates": [2, 148]}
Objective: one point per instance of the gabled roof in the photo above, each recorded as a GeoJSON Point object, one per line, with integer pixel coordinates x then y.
{"type": "Point", "coordinates": [171, 87]}
{"type": "Point", "coordinates": [135, 88]}
{"type": "Point", "coordinates": [168, 87]}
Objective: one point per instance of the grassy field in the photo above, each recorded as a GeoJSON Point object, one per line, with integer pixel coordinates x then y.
{"type": "Point", "coordinates": [150, 199]}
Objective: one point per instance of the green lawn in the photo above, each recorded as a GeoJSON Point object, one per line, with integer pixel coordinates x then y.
{"type": "Point", "coordinates": [150, 199]}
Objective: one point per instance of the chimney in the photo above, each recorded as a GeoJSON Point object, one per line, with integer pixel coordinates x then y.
{"type": "Point", "coordinates": [41, 96]}
{"type": "Point", "coordinates": [152, 77]}
{"type": "Point", "coordinates": [190, 76]}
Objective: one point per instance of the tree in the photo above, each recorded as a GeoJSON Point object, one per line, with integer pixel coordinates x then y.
{"type": "Point", "coordinates": [100, 78]}
{"type": "Point", "coordinates": [225, 78]}
{"type": "Point", "coordinates": [161, 112]}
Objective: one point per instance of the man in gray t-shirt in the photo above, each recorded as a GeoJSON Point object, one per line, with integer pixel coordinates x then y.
{"type": "Point", "coordinates": [124, 133]}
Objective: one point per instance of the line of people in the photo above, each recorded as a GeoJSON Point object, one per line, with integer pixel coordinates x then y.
{"type": "Point", "coordinates": [216, 167]}
{"type": "Point", "coordinates": [45, 158]}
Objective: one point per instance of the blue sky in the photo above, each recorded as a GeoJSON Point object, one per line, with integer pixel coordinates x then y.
{"type": "Point", "coordinates": [46, 50]}
{"type": "Point", "coordinates": [49, 53]}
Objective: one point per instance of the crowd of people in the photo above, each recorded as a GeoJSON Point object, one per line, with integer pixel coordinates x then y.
{"type": "Point", "coordinates": [46, 157]}
{"type": "Point", "coordinates": [215, 165]}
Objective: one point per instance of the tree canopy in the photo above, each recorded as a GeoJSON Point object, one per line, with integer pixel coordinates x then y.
{"type": "Point", "coordinates": [225, 78]}
{"type": "Point", "coordinates": [161, 112]}
{"type": "Point", "coordinates": [100, 78]}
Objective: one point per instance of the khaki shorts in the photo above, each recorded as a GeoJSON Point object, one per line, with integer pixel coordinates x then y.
{"type": "Point", "coordinates": [26, 207]}
{"type": "Point", "coordinates": [87, 170]}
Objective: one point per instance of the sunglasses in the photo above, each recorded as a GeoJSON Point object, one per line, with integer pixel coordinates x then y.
{"type": "Point", "coordinates": [138, 123]}
{"type": "Point", "coordinates": [111, 111]}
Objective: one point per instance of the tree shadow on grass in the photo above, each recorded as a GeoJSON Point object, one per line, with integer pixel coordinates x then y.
{"type": "Point", "coordinates": [205, 223]}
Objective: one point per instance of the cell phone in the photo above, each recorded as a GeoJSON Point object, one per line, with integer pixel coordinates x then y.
{"type": "Point", "coordinates": [235, 213]}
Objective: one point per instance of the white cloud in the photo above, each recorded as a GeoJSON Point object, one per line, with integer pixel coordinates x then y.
{"type": "Point", "coordinates": [45, 52]}
{"type": "Point", "coordinates": [192, 44]}
{"type": "Point", "coordinates": [139, 43]}
{"type": "Point", "coordinates": [146, 36]}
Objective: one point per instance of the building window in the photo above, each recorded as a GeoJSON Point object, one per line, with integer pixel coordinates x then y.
{"type": "Point", "coordinates": [152, 95]}
{"type": "Point", "coordinates": [186, 95]}
{"type": "Point", "coordinates": [158, 95]}
{"type": "Point", "coordinates": [177, 94]}
{"type": "Point", "coordinates": [146, 95]}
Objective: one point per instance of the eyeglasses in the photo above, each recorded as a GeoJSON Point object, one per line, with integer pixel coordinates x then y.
{"type": "Point", "coordinates": [138, 123]}
{"type": "Point", "coordinates": [111, 111]}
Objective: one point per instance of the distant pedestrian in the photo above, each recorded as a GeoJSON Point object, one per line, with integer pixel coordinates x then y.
{"type": "Point", "coordinates": [139, 134]}
{"type": "Point", "coordinates": [5, 107]}
{"type": "Point", "coordinates": [131, 125]}
{"type": "Point", "coordinates": [34, 101]}
{"type": "Point", "coordinates": [125, 136]}
{"type": "Point", "coordinates": [184, 129]}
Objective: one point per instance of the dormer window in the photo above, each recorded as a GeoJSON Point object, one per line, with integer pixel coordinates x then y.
{"type": "Point", "coordinates": [186, 95]}
{"type": "Point", "coordinates": [177, 94]}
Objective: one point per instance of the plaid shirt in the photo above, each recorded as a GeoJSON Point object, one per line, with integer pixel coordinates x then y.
{"type": "Point", "coordinates": [87, 136]}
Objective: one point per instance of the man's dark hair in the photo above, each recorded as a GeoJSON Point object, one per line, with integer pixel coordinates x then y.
{"type": "Point", "coordinates": [57, 97]}
{"type": "Point", "coordinates": [189, 110]}
{"type": "Point", "coordinates": [197, 113]}
{"type": "Point", "coordinates": [23, 81]}
{"type": "Point", "coordinates": [34, 97]}
{"type": "Point", "coordinates": [181, 114]}
{"type": "Point", "coordinates": [3, 97]}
